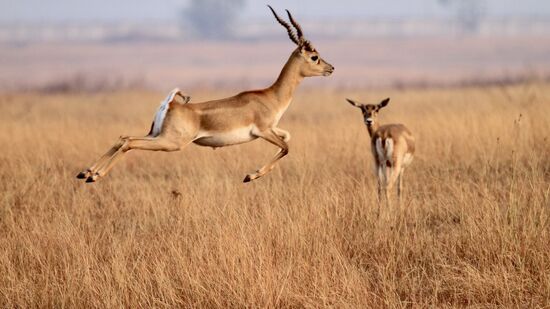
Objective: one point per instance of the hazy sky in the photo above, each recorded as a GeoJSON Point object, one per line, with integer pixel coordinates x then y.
{"type": "Point", "coordinates": [135, 10]}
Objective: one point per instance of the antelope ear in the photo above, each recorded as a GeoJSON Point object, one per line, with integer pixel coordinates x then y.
{"type": "Point", "coordinates": [353, 103]}
{"type": "Point", "coordinates": [384, 103]}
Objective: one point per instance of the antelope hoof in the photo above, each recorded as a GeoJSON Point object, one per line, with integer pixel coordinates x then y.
{"type": "Point", "coordinates": [84, 175]}
{"type": "Point", "coordinates": [92, 178]}
{"type": "Point", "coordinates": [250, 177]}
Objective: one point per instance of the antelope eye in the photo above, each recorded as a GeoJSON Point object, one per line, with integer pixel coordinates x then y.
{"type": "Point", "coordinates": [314, 58]}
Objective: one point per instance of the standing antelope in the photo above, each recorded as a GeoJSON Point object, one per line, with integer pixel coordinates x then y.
{"type": "Point", "coordinates": [239, 119]}
{"type": "Point", "coordinates": [392, 147]}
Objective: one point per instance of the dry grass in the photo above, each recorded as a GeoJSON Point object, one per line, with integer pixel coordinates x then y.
{"type": "Point", "coordinates": [180, 229]}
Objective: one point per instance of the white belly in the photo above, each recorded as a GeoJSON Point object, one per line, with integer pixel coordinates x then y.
{"type": "Point", "coordinates": [225, 138]}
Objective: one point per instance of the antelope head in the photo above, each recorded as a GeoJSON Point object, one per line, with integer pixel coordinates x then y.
{"type": "Point", "coordinates": [311, 63]}
{"type": "Point", "coordinates": [370, 111]}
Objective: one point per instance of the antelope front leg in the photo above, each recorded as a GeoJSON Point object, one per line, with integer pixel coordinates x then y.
{"type": "Point", "coordinates": [285, 135]}
{"type": "Point", "coordinates": [277, 137]}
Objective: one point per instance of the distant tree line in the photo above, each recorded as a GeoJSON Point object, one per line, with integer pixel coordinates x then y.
{"type": "Point", "coordinates": [469, 13]}
{"type": "Point", "coordinates": [215, 19]}
{"type": "Point", "coordinates": [211, 19]}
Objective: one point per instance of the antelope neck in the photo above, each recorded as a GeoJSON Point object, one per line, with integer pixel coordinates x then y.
{"type": "Point", "coordinates": [288, 80]}
{"type": "Point", "coordinates": [373, 127]}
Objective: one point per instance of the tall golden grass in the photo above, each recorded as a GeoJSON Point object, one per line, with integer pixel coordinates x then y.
{"type": "Point", "coordinates": [181, 230]}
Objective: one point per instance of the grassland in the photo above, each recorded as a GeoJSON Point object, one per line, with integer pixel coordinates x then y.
{"type": "Point", "coordinates": [180, 229]}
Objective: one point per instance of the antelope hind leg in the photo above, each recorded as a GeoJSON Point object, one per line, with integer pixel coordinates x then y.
{"type": "Point", "coordinates": [92, 169]}
{"type": "Point", "coordinates": [160, 143]}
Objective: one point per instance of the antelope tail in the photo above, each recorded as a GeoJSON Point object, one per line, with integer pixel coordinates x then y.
{"type": "Point", "coordinates": [158, 121]}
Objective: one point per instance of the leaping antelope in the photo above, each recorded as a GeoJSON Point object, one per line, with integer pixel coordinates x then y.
{"type": "Point", "coordinates": [392, 147]}
{"type": "Point", "coordinates": [239, 119]}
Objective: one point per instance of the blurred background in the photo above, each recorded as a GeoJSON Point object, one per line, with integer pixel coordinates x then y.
{"type": "Point", "coordinates": [68, 45]}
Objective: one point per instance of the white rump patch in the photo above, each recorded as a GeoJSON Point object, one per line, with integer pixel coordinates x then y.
{"type": "Point", "coordinates": [380, 151]}
{"type": "Point", "coordinates": [161, 112]}
{"type": "Point", "coordinates": [389, 149]}
{"type": "Point", "coordinates": [385, 152]}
